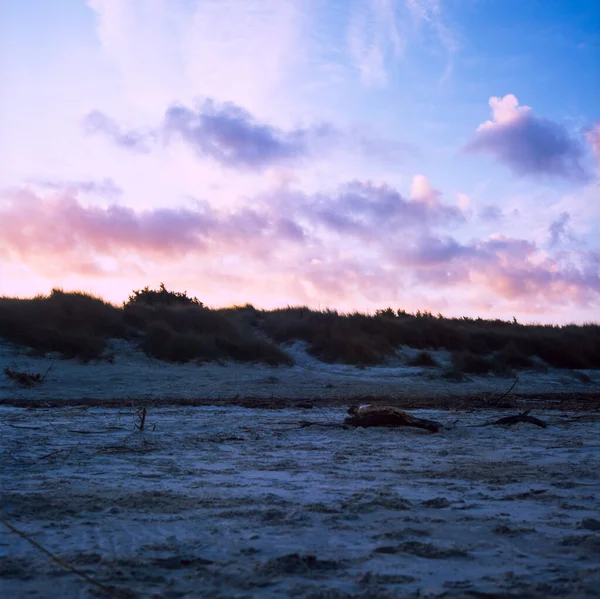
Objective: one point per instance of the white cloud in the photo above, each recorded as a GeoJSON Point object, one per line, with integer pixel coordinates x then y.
{"type": "Point", "coordinates": [504, 110]}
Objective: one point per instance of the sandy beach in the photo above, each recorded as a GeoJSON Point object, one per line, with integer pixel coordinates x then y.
{"type": "Point", "coordinates": [218, 500]}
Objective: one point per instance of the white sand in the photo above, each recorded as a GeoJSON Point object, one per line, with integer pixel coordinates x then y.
{"type": "Point", "coordinates": [214, 502]}
{"type": "Point", "coordinates": [231, 502]}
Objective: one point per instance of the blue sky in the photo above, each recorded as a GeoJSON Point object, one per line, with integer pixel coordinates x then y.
{"type": "Point", "coordinates": [423, 154]}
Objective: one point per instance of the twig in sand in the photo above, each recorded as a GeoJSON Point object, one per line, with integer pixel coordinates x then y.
{"type": "Point", "coordinates": [53, 453]}
{"type": "Point", "coordinates": [142, 418]}
{"type": "Point", "coordinates": [84, 432]}
{"type": "Point", "coordinates": [306, 423]}
{"type": "Point", "coordinates": [511, 388]}
{"type": "Point", "coordinates": [510, 420]}
{"type": "Point", "coordinates": [111, 592]}
{"type": "Point", "coordinates": [46, 373]}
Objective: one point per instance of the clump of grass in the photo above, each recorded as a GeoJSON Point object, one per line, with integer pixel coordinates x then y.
{"type": "Point", "coordinates": [76, 325]}
{"type": "Point", "coordinates": [189, 331]}
{"type": "Point", "coordinates": [471, 363]}
{"type": "Point", "coordinates": [582, 377]}
{"type": "Point", "coordinates": [180, 329]}
{"type": "Point", "coordinates": [453, 375]}
{"type": "Point", "coordinates": [511, 356]}
{"type": "Point", "coordinates": [424, 359]}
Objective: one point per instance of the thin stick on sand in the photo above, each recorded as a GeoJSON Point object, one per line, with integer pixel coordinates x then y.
{"type": "Point", "coordinates": [142, 419]}
{"type": "Point", "coordinates": [511, 420]}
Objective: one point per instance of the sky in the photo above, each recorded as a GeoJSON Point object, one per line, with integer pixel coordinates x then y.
{"type": "Point", "coordinates": [439, 155]}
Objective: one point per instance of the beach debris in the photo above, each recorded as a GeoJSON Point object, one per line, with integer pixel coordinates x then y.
{"type": "Point", "coordinates": [511, 420]}
{"type": "Point", "coordinates": [26, 379]}
{"type": "Point", "coordinates": [387, 416]}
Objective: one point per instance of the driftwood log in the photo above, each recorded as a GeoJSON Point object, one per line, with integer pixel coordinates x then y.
{"type": "Point", "coordinates": [388, 416]}
{"type": "Point", "coordinates": [510, 420]}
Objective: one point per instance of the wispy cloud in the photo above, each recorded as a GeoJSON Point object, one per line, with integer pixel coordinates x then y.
{"type": "Point", "coordinates": [374, 39]}
{"type": "Point", "coordinates": [490, 213]}
{"type": "Point", "coordinates": [245, 52]}
{"type": "Point", "coordinates": [378, 35]}
{"type": "Point", "coordinates": [528, 144]}
{"type": "Point", "coordinates": [106, 187]}
{"type": "Point", "coordinates": [428, 13]}
{"type": "Point", "coordinates": [558, 229]}
{"type": "Point", "coordinates": [97, 122]}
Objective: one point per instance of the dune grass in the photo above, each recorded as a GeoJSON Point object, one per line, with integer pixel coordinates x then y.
{"type": "Point", "coordinates": [169, 326]}
{"type": "Point", "coordinates": [172, 326]}
{"type": "Point", "coordinates": [76, 325]}
{"type": "Point", "coordinates": [359, 338]}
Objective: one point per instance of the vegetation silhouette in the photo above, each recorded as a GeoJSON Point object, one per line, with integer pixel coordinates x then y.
{"type": "Point", "coordinates": [170, 325]}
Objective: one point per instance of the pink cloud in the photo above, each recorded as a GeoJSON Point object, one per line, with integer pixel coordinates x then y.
{"type": "Point", "coordinates": [592, 136]}
{"type": "Point", "coordinates": [104, 188]}
{"type": "Point", "coordinates": [359, 241]}
{"type": "Point", "coordinates": [367, 210]}
{"type": "Point", "coordinates": [58, 224]}
{"type": "Point", "coordinates": [510, 268]}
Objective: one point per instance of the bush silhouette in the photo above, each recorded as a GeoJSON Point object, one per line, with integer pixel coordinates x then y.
{"type": "Point", "coordinates": [162, 297]}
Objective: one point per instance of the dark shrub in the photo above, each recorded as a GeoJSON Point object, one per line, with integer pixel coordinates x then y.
{"type": "Point", "coordinates": [471, 363]}
{"type": "Point", "coordinates": [561, 352]}
{"type": "Point", "coordinates": [76, 325]}
{"type": "Point", "coordinates": [192, 332]}
{"type": "Point", "coordinates": [582, 377]}
{"type": "Point", "coordinates": [453, 375]}
{"type": "Point", "coordinates": [423, 358]}
{"type": "Point", "coordinates": [162, 297]}
{"type": "Point", "coordinates": [511, 356]}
